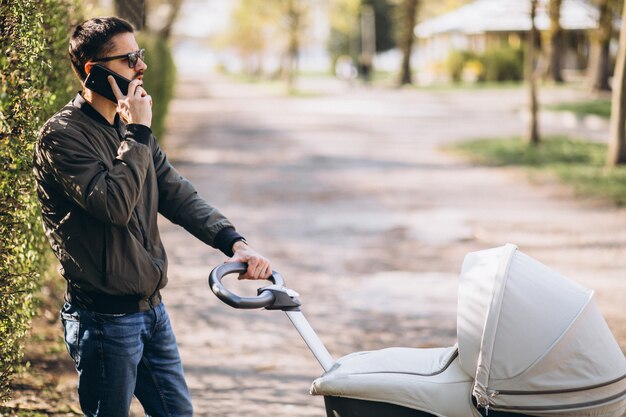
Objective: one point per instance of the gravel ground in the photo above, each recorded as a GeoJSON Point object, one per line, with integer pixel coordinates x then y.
{"type": "Point", "coordinates": [346, 191]}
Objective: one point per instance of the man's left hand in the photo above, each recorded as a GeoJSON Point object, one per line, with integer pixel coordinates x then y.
{"type": "Point", "coordinates": [259, 267]}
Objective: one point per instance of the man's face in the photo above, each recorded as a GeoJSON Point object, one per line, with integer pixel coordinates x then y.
{"type": "Point", "coordinates": [123, 44]}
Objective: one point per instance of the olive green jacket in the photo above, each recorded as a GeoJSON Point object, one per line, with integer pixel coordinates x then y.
{"type": "Point", "coordinates": [100, 187]}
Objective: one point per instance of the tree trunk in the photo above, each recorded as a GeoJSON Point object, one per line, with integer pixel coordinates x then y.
{"type": "Point", "coordinates": [294, 15]}
{"type": "Point", "coordinates": [556, 41]}
{"type": "Point", "coordinates": [409, 18]}
{"type": "Point", "coordinates": [532, 135]}
{"type": "Point", "coordinates": [133, 11]}
{"type": "Point", "coordinates": [617, 139]}
{"type": "Point", "coordinates": [368, 42]}
{"type": "Point", "coordinates": [175, 6]}
{"type": "Point", "coordinates": [599, 69]}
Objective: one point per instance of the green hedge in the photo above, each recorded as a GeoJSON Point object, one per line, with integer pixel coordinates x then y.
{"type": "Point", "coordinates": [499, 64]}
{"type": "Point", "coordinates": [36, 81]}
{"type": "Point", "coordinates": [160, 77]}
{"type": "Point", "coordinates": [503, 64]}
{"type": "Point", "coordinates": [457, 62]}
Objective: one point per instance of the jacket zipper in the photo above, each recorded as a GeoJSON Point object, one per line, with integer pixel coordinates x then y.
{"type": "Point", "coordinates": [145, 245]}
{"type": "Point", "coordinates": [158, 283]}
{"type": "Point", "coordinates": [105, 253]}
{"type": "Point", "coordinates": [142, 229]}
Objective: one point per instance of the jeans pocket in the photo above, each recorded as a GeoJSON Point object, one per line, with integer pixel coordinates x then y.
{"type": "Point", "coordinates": [71, 326]}
{"type": "Point", "coordinates": [110, 316]}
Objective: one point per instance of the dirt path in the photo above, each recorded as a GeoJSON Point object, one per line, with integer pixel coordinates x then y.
{"type": "Point", "coordinates": [350, 198]}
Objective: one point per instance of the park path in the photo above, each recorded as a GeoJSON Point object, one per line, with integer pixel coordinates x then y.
{"type": "Point", "coordinates": [346, 191]}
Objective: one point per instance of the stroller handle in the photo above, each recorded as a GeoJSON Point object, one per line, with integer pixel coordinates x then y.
{"type": "Point", "coordinates": [272, 297]}
{"type": "Point", "coordinates": [264, 299]}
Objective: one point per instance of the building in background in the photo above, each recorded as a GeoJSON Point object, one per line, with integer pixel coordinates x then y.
{"type": "Point", "coordinates": [489, 24]}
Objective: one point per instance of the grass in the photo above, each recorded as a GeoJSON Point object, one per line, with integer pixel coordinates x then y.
{"type": "Point", "coordinates": [487, 85]}
{"type": "Point", "coordinates": [579, 164]}
{"type": "Point", "coordinates": [599, 107]}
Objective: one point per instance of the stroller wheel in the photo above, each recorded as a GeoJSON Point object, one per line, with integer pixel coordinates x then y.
{"type": "Point", "coordinates": [349, 407]}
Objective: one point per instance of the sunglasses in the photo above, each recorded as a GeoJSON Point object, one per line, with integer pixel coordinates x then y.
{"type": "Point", "coordinates": [132, 57]}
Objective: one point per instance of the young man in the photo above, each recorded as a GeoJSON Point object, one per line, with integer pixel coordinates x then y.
{"type": "Point", "coordinates": [102, 179]}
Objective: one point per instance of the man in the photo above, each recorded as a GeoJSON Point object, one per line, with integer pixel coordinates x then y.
{"type": "Point", "coordinates": [102, 178]}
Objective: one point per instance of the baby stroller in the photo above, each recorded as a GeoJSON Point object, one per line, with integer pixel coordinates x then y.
{"type": "Point", "coordinates": [530, 342]}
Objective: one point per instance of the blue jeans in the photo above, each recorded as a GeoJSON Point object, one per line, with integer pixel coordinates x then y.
{"type": "Point", "coordinates": [118, 355]}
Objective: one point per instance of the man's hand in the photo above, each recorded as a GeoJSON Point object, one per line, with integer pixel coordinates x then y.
{"type": "Point", "coordinates": [136, 107]}
{"type": "Point", "coordinates": [258, 266]}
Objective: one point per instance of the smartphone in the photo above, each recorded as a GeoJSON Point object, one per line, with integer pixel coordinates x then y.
{"type": "Point", "coordinates": [97, 81]}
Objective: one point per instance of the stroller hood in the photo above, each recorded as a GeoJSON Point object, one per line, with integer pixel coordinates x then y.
{"type": "Point", "coordinates": [534, 340]}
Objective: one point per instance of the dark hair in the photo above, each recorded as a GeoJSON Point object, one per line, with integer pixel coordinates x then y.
{"type": "Point", "coordinates": [92, 39]}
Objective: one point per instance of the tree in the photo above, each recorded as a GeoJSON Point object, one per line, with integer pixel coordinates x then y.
{"type": "Point", "coordinates": [161, 16]}
{"type": "Point", "coordinates": [154, 20]}
{"type": "Point", "coordinates": [343, 17]}
{"type": "Point", "coordinates": [155, 16]}
{"type": "Point", "coordinates": [252, 26]}
{"type": "Point", "coordinates": [345, 24]}
{"type": "Point", "coordinates": [383, 21]}
{"type": "Point", "coordinates": [556, 41]}
{"type": "Point", "coordinates": [617, 140]}
{"type": "Point", "coordinates": [406, 37]}
{"type": "Point", "coordinates": [133, 11]}
{"type": "Point", "coordinates": [295, 12]}
{"type": "Point", "coordinates": [277, 28]}
{"type": "Point", "coordinates": [532, 135]}
{"type": "Point", "coordinates": [599, 69]}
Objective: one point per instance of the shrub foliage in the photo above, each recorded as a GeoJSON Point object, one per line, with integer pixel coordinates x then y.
{"type": "Point", "coordinates": [160, 77]}
{"type": "Point", "coordinates": [36, 81]}
{"type": "Point", "coordinates": [499, 64]}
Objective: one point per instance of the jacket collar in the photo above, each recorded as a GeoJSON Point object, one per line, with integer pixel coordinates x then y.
{"type": "Point", "coordinates": [82, 104]}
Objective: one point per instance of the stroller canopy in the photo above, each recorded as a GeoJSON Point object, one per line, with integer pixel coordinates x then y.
{"type": "Point", "coordinates": [535, 340]}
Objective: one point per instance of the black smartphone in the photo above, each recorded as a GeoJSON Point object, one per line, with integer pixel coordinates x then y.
{"type": "Point", "coordinates": [97, 81]}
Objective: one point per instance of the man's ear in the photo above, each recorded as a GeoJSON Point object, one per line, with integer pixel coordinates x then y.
{"type": "Point", "coordinates": [88, 67]}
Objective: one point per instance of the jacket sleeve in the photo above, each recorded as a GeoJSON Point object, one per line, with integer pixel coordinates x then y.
{"type": "Point", "coordinates": [180, 203]}
{"type": "Point", "coordinates": [110, 194]}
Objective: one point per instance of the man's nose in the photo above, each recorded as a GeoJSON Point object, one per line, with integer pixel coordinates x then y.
{"type": "Point", "coordinates": [141, 65]}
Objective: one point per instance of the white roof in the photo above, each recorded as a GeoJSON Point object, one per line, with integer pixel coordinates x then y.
{"type": "Point", "coordinates": [507, 15]}
{"type": "Point", "coordinates": [533, 338]}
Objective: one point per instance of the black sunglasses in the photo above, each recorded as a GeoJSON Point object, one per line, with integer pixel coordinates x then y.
{"type": "Point", "coordinates": [132, 57]}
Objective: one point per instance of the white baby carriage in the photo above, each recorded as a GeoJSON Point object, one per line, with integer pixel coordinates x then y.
{"type": "Point", "coordinates": [530, 342]}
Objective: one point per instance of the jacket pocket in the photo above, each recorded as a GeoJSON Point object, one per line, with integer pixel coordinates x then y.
{"type": "Point", "coordinates": [131, 269]}
{"type": "Point", "coordinates": [105, 251]}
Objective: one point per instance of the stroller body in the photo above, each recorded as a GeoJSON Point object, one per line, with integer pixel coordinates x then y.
{"type": "Point", "coordinates": [403, 381]}
{"type": "Point", "coordinates": [530, 342]}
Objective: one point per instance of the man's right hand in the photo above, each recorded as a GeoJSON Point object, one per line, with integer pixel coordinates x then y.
{"type": "Point", "coordinates": [136, 107]}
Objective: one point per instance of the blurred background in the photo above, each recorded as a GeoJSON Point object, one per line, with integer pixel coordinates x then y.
{"type": "Point", "coordinates": [443, 41]}
{"type": "Point", "coordinates": [365, 146]}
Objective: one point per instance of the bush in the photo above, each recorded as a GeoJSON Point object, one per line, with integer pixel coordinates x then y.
{"type": "Point", "coordinates": [503, 64]}
{"type": "Point", "coordinates": [160, 77]}
{"type": "Point", "coordinates": [457, 62]}
{"type": "Point", "coordinates": [36, 81]}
